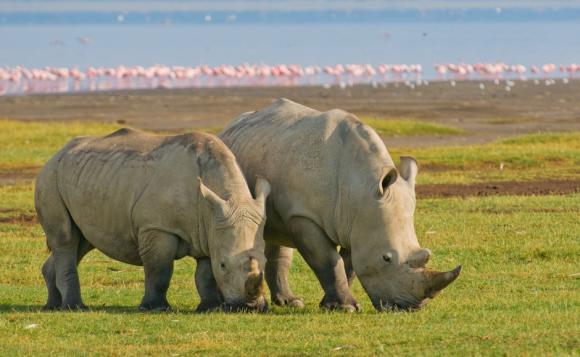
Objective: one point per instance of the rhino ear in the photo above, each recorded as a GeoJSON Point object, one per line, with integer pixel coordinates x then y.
{"type": "Point", "coordinates": [389, 177]}
{"type": "Point", "coordinates": [409, 169]}
{"type": "Point", "coordinates": [262, 190]}
{"type": "Point", "coordinates": [210, 196]}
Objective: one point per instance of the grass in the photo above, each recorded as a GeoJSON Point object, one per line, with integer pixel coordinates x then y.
{"type": "Point", "coordinates": [26, 145]}
{"type": "Point", "coordinates": [518, 294]}
{"type": "Point", "coordinates": [541, 156]}
{"type": "Point", "coordinates": [394, 127]}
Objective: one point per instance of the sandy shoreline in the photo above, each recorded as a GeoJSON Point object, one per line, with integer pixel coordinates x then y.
{"type": "Point", "coordinates": [485, 114]}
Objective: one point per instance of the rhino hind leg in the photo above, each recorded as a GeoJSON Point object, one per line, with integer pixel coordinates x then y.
{"type": "Point", "coordinates": [206, 287]}
{"type": "Point", "coordinates": [54, 301]}
{"type": "Point", "coordinates": [60, 272]}
{"type": "Point", "coordinates": [279, 260]}
{"type": "Point", "coordinates": [158, 251]}
{"type": "Point", "coordinates": [321, 255]}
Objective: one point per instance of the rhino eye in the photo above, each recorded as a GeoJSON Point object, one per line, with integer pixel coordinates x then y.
{"type": "Point", "coordinates": [223, 265]}
{"type": "Point", "coordinates": [387, 257]}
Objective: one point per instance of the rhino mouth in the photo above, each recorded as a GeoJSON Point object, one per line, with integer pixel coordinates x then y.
{"type": "Point", "coordinates": [407, 305]}
{"type": "Point", "coordinates": [259, 305]}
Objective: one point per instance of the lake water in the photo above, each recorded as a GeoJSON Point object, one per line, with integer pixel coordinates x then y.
{"type": "Point", "coordinates": [529, 43]}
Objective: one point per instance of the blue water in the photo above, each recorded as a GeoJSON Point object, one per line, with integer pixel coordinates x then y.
{"type": "Point", "coordinates": [528, 37]}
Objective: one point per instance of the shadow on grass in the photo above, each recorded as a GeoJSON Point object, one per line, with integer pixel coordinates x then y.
{"type": "Point", "coordinates": [112, 309]}
{"type": "Point", "coordinates": [118, 309]}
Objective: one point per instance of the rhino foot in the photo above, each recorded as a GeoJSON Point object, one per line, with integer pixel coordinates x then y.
{"type": "Point", "coordinates": [334, 305]}
{"type": "Point", "coordinates": [341, 307]}
{"type": "Point", "coordinates": [49, 307]}
{"type": "Point", "coordinates": [74, 307]}
{"type": "Point", "coordinates": [151, 308]}
{"type": "Point", "coordinates": [291, 301]}
{"type": "Point", "coordinates": [205, 307]}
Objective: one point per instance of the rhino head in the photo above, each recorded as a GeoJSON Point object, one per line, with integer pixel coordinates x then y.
{"type": "Point", "coordinates": [386, 255]}
{"type": "Point", "coordinates": [237, 248]}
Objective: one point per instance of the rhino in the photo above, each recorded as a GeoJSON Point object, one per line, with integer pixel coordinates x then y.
{"type": "Point", "coordinates": [334, 185]}
{"type": "Point", "coordinates": [148, 200]}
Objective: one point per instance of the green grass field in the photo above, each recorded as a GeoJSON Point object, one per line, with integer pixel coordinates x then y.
{"type": "Point", "coordinates": [518, 293]}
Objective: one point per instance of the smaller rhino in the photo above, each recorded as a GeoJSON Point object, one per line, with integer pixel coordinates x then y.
{"type": "Point", "coordinates": [140, 199]}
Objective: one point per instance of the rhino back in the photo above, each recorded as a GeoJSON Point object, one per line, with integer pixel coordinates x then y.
{"type": "Point", "coordinates": [113, 186]}
{"type": "Point", "coordinates": [319, 164]}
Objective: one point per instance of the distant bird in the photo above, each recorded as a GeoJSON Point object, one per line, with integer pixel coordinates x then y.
{"type": "Point", "coordinates": [84, 40]}
{"type": "Point", "coordinates": [56, 43]}
{"type": "Point", "coordinates": [22, 80]}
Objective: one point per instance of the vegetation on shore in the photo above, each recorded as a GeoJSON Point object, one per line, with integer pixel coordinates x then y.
{"type": "Point", "coordinates": [518, 293]}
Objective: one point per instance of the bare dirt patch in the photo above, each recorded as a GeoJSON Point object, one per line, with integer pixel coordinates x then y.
{"type": "Point", "coordinates": [18, 218]}
{"type": "Point", "coordinates": [484, 115]}
{"type": "Point", "coordinates": [510, 188]}
{"type": "Point", "coordinates": [18, 175]}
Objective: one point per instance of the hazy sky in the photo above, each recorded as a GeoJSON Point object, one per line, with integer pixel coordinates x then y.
{"type": "Point", "coordinates": [275, 5]}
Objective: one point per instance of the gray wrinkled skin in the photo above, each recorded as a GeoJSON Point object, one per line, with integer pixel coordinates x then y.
{"type": "Point", "coordinates": [149, 200]}
{"type": "Point", "coordinates": [334, 184]}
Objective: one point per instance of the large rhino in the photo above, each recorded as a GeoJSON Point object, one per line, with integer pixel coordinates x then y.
{"type": "Point", "coordinates": [335, 185]}
{"type": "Point", "coordinates": [140, 199]}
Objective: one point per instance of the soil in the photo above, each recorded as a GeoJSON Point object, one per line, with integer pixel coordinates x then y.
{"type": "Point", "coordinates": [532, 188]}
{"type": "Point", "coordinates": [20, 218]}
{"type": "Point", "coordinates": [486, 115]}
{"type": "Point", "coordinates": [20, 175]}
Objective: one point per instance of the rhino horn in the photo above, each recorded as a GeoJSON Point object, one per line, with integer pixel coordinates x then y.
{"type": "Point", "coordinates": [255, 281]}
{"type": "Point", "coordinates": [420, 258]}
{"type": "Point", "coordinates": [440, 280]}
{"type": "Point", "coordinates": [255, 285]}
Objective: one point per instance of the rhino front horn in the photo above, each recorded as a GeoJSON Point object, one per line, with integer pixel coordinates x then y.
{"type": "Point", "coordinates": [439, 281]}
{"type": "Point", "coordinates": [255, 285]}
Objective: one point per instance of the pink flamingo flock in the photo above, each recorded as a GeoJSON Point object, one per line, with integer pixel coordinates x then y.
{"type": "Point", "coordinates": [20, 80]}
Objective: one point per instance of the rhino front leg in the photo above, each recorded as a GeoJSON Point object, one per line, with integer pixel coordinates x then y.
{"type": "Point", "coordinates": [158, 250]}
{"type": "Point", "coordinates": [279, 260]}
{"type": "Point", "coordinates": [321, 255]}
{"type": "Point", "coordinates": [349, 270]}
{"type": "Point", "coordinates": [206, 287]}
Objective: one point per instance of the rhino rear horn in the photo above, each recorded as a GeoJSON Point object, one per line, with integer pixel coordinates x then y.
{"type": "Point", "coordinates": [440, 280]}
{"type": "Point", "coordinates": [420, 258]}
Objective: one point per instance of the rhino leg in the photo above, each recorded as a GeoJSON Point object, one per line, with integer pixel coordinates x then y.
{"type": "Point", "coordinates": [206, 287]}
{"type": "Point", "coordinates": [64, 239]}
{"type": "Point", "coordinates": [279, 259]}
{"type": "Point", "coordinates": [349, 270]}
{"type": "Point", "coordinates": [321, 255]}
{"type": "Point", "coordinates": [54, 301]}
{"type": "Point", "coordinates": [60, 271]}
{"type": "Point", "coordinates": [157, 250]}
{"type": "Point", "coordinates": [49, 273]}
